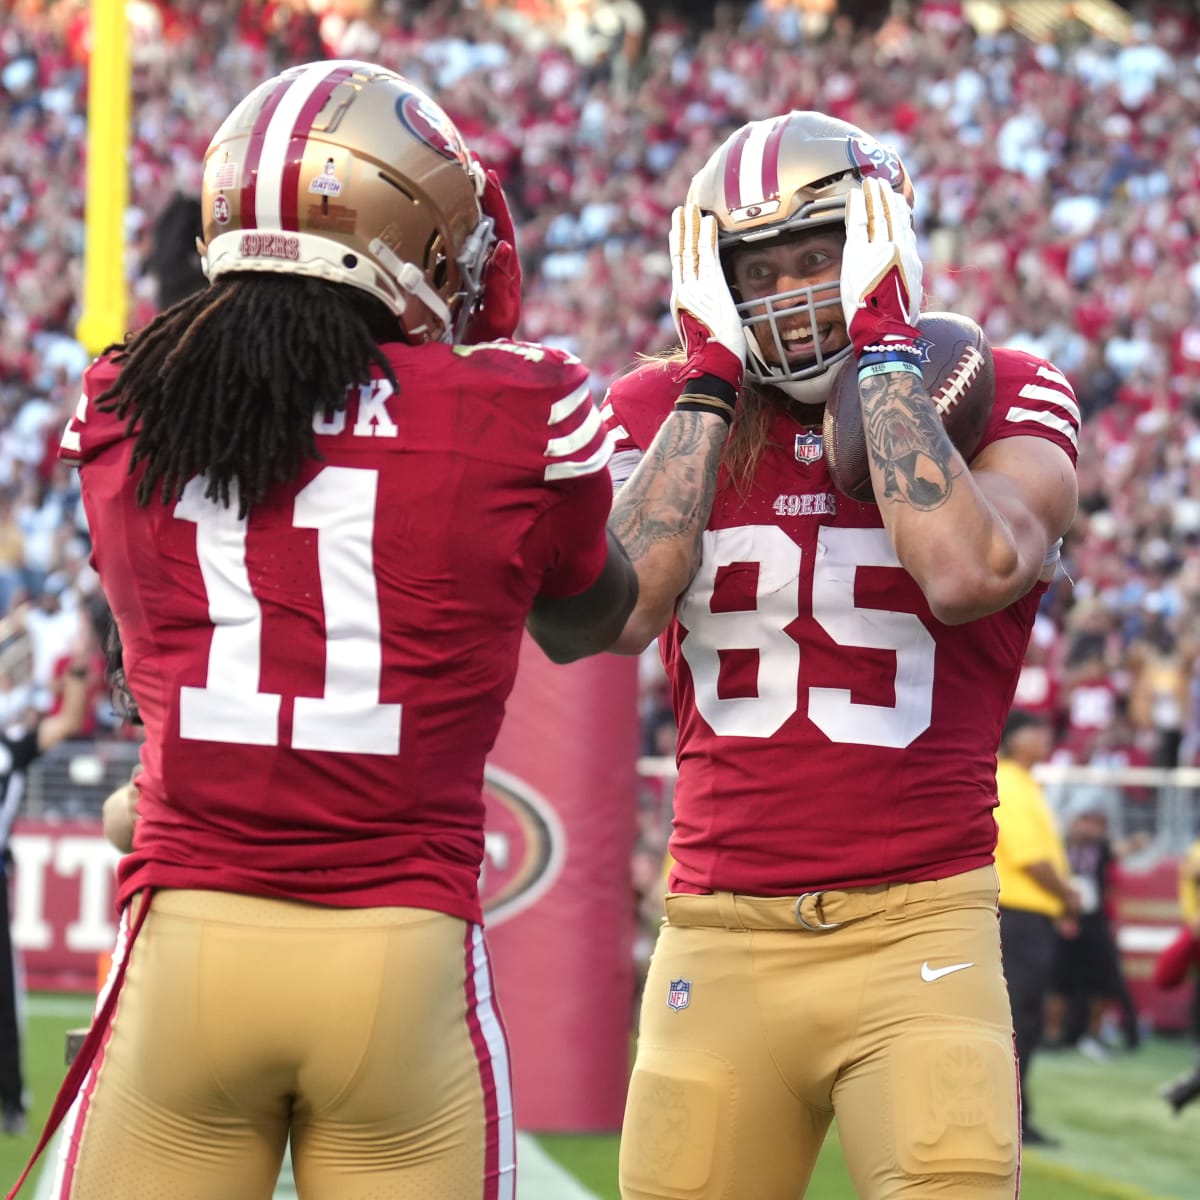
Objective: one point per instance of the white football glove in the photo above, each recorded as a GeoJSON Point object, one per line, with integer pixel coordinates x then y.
{"type": "Point", "coordinates": [881, 269]}
{"type": "Point", "coordinates": [702, 307]}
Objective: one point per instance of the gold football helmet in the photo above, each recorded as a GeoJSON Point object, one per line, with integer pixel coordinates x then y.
{"type": "Point", "coordinates": [348, 172]}
{"type": "Point", "coordinates": [779, 176]}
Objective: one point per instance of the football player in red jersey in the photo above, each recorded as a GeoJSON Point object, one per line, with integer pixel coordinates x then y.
{"type": "Point", "coordinates": [325, 503]}
{"type": "Point", "coordinates": [841, 673]}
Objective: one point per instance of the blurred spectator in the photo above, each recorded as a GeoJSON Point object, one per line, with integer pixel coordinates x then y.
{"type": "Point", "coordinates": [1159, 693]}
{"type": "Point", "coordinates": [1035, 891]}
{"type": "Point", "coordinates": [1038, 684]}
{"type": "Point", "coordinates": [1179, 961]}
{"type": "Point", "coordinates": [654, 702]}
{"type": "Point", "coordinates": [174, 261]}
{"type": "Point", "coordinates": [18, 749]}
{"type": "Point", "coordinates": [53, 622]}
{"type": "Point", "coordinates": [1141, 67]}
{"type": "Point", "coordinates": [12, 552]}
{"type": "Point", "coordinates": [1088, 974]}
{"type": "Point", "coordinates": [1189, 912]}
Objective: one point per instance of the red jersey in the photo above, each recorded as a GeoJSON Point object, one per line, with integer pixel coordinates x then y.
{"type": "Point", "coordinates": [322, 682]}
{"type": "Point", "coordinates": [832, 732]}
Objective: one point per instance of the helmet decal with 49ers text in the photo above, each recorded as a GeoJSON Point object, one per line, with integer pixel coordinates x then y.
{"type": "Point", "coordinates": [870, 158]}
{"type": "Point", "coordinates": [426, 121]}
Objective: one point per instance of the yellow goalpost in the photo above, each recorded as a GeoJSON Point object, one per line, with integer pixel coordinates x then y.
{"type": "Point", "coordinates": [103, 313]}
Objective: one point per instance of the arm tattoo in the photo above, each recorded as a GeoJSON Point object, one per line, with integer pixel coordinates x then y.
{"type": "Point", "coordinates": [670, 495]}
{"type": "Point", "coordinates": [907, 441]}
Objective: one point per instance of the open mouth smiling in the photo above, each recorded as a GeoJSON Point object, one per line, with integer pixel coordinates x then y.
{"type": "Point", "coordinates": [801, 342]}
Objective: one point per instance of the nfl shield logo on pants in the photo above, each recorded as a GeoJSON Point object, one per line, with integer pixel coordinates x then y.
{"type": "Point", "coordinates": [809, 448]}
{"type": "Point", "coordinates": [680, 994]}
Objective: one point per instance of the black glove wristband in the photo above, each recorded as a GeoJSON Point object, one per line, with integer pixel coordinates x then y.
{"type": "Point", "coordinates": [711, 394]}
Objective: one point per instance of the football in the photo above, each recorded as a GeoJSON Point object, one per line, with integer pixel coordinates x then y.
{"type": "Point", "coordinates": [961, 379]}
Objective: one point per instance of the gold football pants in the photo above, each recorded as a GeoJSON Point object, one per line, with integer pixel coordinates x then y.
{"type": "Point", "coordinates": [369, 1036]}
{"type": "Point", "coordinates": [758, 1026]}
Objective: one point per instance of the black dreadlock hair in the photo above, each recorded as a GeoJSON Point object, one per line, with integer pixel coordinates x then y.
{"type": "Point", "coordinates": [225, 383]}
{"type": "Point", "coordinates": [124, 704]}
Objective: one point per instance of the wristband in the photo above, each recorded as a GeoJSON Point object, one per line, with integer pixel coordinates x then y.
{"type": "Point", "coordinates": [905, 349]}
{"type": "Point", "coordinates": [870, 359]}
{"type": "Point", "coordinates": [714, 386]}
{"type": "Point", "coordinates": [889, 352]}
{"type": "Point", "coordinates": [886, 368]}
{"type": "Point", "coordinates": [705, 404]}
{"type": "Point", "coordinates": [709, 393]}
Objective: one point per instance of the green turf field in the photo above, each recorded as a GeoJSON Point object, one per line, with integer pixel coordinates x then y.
{"type": "Point", "coordinates": [46, 1026]}
{"type": "Point", "coordinates": [1119, 1139]}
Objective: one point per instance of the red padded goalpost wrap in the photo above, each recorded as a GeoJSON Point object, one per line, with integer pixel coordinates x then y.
{"type": "Point", "coordinates": [562, 799]}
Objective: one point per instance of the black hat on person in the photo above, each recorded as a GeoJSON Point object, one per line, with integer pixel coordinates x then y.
{"type": "Point", "coordinates": [1018, 719]}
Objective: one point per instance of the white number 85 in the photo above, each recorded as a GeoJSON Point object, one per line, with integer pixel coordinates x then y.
{"type": "Point", "coordinates": [840, 552]}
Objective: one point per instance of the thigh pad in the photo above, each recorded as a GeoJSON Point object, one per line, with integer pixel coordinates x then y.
{"type": "Point", "coordinates": [954, 1101]}
{"type": "Point", "coordinates": [676, 1107]}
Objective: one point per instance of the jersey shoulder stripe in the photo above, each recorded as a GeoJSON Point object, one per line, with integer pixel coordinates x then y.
{"type": "Point", "coordinates": [1050, 400]}
{"type": "Point", "coordinates": [1033, 399]}
{"type": "Point", "coordinates": [578, 443]}
{"type": "Point", "coordinates": [70, 446]}
{"type": "Point", "coordinates": [540, 409]}
{"type": "Point", "coordinates": [89, 431]}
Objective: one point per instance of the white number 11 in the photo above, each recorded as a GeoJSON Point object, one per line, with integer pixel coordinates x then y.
{"type": "Point", "coordinates": [339, 504]}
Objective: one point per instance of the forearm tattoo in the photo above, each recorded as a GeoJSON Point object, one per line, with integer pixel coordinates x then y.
{"type": "Point", "coordinates": [906, 440]}
{"type": "Point", "coordinates": [670, 495]}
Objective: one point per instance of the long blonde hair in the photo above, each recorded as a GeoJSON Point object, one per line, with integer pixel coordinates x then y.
{"type": "Point", "coordinates": [750, 435]}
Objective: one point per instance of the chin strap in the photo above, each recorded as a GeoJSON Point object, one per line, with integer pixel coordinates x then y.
{"type": "Point", "coordinates": [410, 277]}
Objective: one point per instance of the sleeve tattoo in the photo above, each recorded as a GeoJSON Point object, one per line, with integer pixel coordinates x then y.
{"type": "Point", "coordinates": [670, 495]}
{"type": "Point", "coordinates": [907, 440]}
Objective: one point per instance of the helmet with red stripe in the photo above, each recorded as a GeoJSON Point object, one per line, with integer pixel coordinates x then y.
{"type": "Point", "coordinates": [781, 176]}
{"type": "Point", "coordinates": [348, 172]}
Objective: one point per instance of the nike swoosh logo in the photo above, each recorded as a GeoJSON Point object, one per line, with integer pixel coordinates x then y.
{"type": "Point", "coordinates": [929, 974]}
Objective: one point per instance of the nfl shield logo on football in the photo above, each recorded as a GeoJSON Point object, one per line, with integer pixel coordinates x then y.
{"type": "Point", "coordinates": [680, 993]}
{"type": "Point", "coordinates": [809, 448]}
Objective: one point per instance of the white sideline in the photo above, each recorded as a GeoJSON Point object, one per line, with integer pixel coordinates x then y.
{"type": "Point", "coordinates": [539, 1177]}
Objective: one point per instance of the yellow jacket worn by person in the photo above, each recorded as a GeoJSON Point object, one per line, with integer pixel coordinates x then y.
{"type": "Point", "coordinates": [1189, 892]}
{"type": "Point", "coordinates": [1027, 834]}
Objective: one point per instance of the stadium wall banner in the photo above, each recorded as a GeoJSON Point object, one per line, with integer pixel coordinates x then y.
{"type": "Point", "coordinates": [63, 896]}
{"type": "Point", "coordinates": [562, 781]}
{"type": "Point", "coordinates": [1146, 918]}
{"type": "Point", "coordinates": [561, 794]}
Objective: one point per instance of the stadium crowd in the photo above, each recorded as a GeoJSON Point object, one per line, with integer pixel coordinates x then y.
{"type": "Point", "coordinates": [1057, 201]}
